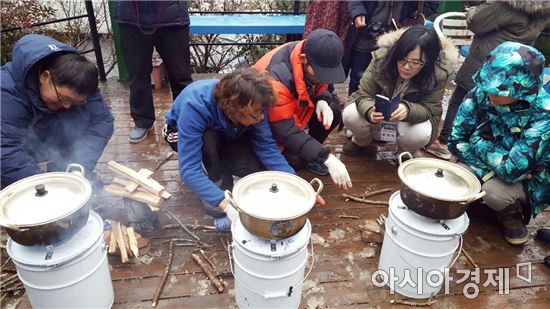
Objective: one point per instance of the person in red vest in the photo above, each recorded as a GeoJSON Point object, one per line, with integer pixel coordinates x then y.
{"type": "Point", "coordinates": [301, 73]}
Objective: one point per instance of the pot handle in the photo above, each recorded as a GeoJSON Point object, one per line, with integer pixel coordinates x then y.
{"type": "Point", "coordinates": [401, 155]}
{"type": "Point", "coordinates": [75, 169]}
{"type": "Point", "coordinates": [319, 183]}
{"type": "Point", "coordinates": [229, 198]}
{"type": "Point", "coordinates": [474, 197]}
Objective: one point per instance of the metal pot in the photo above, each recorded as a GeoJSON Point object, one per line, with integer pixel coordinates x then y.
{"type": "Point", "coordinates": [437, 189]}
{"type": "Point", "coordinates": [273, 205]}
{"type": "Point", "coordinates": [47, 208]}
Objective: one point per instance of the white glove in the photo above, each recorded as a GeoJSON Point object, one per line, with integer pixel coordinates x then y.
{"type": "Point", "coordinates": [338, 172]}
{"type": "Point", "coordinates": [324, 113]}
{"type": "Point", "coordinates": [231, 212]}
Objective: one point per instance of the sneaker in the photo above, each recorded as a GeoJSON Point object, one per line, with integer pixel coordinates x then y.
{"type": "Point", "coordinates": [439, 150]}
{"type": "Point", "coordinates": [138, 134]}
{"type": "Point", "coordinates": [317, 168]}
{"type": "Point", "coordinates": [352, 149]}
{"type": "Point", "coordinates": [513, 229]}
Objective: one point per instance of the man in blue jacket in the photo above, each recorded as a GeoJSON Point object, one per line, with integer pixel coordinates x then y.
{"type": "Point", "coordinates": [143, 25]}
{"type": "Point", "coordinates": [51, 110]}
{"type": "Point", "coordinates": [222, 125]}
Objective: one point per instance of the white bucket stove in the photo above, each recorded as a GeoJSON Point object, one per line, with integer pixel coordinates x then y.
{"type": "Point", "coordinates": [269, 273]}
{"type": "Point", "coordinates": [71, 274]}
{"type": "Point", "coordinates": [416, 247]}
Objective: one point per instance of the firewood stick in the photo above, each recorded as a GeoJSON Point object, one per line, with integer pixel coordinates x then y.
{"type": "Point", "coordinates": [219, 286]}
{"type": "Point", "coordinates": [470, 258]}
{"type": "Point", "coordinates": [148, 184]}
{"type": "Point", "coordinates": [133, 241]}
{"type": "Point", "coordinates": [348, 217]}
{"type": "Point", "coordinates": [120, 242]}
{"type": "Point", "coordinates": [5, 262]}
{"type": "Point", "coordinates": [362, 200]}
{"type": "Point", "coordinates": [164, 160]}
{"type": "Point", "coordinates": [414, 304]}
{"type": "Point", "coordinates": [208, 260]}
{"type": "Point", "coordinates": [132, 185]}
{"type": "Point", "coordinates": [164, 275]}
{"type": "Point", "coordinates": [371, 193]}
{"type": "Point", "coordinates": [193, 227]}
{"type": "Point", "coordinates": [144, 197]}
{"type": "Point", "coordinates": [112, 241]}
{"type": "Point", "coordinates": [182, 225]}
{"type": "Point", "coordinates": [124, 231]}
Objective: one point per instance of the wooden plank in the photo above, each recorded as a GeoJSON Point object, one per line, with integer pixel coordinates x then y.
{"type": "Point", "coordinates": [151, 186]}
{"type": "Point", "coordinates": [138, 196]}
{"type": "Point", "coordinates": [133, 241]}
{"type": "Point", "coordinates": [117, 233]}
{"type": "Point", "coordinates": [132, 185]}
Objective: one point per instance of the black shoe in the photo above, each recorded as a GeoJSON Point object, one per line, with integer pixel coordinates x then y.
{"type": "Point", "coordinates": [352, 149]}
{"type": "Point", "coordinates": [543, 234]}
{"type": "Point", "coordinates": [317, 168]}
{"type": "Point", "coordinates": [513, 229]}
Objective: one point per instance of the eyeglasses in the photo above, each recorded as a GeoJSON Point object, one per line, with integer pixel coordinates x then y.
{"type": "Point", "coordinates": [66, 101]}
{"type": "Point", "coordinates": [413, 64]}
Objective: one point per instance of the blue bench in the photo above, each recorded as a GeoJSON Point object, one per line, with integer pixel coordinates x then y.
{"type": "Point", "coordinates": [247, 24]}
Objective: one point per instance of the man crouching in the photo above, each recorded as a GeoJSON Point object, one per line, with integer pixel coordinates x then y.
{"type": "Point", "coordinates": [219, 129]}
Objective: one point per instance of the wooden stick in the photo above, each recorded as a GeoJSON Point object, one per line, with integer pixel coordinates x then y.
{"type": "Point", "coordinates": [164, 275]}
{"type": "Point", "coordinates": [193, 227]}
{"type": "Point", "coordinates": [219, 286]}
{"type": "Point", "coordinates": [414, 304]}
{"type": "Point", "coordinates": [120, 242]}
{"type": "Point", "coordinates": [143, 197]}
{"type": "Point", "coordinates": [208, 260]}
{"type": "Point", "coordinates": [367, 194]}
{"type": "Point", "coordinates": [348, 217]}
{"type": "Point", "coordinates": [148, 184]}
{"type": "Point", "coordinates": [362, 200]}
{"type": "Point", "coordinates": [112, 242]}
{"type": "Point", "coordinates": [124, 231]}
{"type": "Point", "coordinates": [133, 241]}
{"type": "Point", "coordinates": [5, 262]}
{"type": "Point", "coordinates": [182, 225]}
{"type": "Point", "coordinates": [164, 160]}
{"type": "Point", "coordinates": [132, 185]}
{"type": "Point", "coordinates": [470, 258]}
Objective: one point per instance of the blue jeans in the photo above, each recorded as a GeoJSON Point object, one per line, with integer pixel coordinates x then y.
{"type": "Point", "coordinates": [359, 61]}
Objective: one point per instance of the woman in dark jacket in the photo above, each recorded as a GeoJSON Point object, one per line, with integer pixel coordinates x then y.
{"type": "Point", "coordinates": [51, 110]}
{"type": "Point", "coordinates": [493, 22]}
{"type": "Point", "coordinates": [144, 25]}
{"type": "Point", "coordinates": [369, 20]}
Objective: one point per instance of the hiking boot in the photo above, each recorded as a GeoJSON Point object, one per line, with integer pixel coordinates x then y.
{"type": "Point", "coordinates": [352, 149]}
{"type": "Point", "coordinates": [439, 150]}
{"type": "Point", "coordinates": [138, 134]}
{"type": "Point", "coordinates": [317, 168]}
{"type": "Point", "coordinates": [513, 229]}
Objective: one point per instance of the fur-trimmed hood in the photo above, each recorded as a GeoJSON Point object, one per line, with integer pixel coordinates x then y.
{"type": "Point", "coordinates": [448, 56]}
{"type": "Point", "coordinates": [536, 7]}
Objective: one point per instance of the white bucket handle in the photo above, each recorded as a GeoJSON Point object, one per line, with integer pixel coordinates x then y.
{"type": "Point", "coordinates": [272, 295]}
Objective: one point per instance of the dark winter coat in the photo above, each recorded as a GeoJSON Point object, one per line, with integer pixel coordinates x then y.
{"type": "Point", "coordinates": [495, 22]}
{"type": "Point", "coordinates": [151, 14]}
{"type": "Point", "coordinates": [31, 131]}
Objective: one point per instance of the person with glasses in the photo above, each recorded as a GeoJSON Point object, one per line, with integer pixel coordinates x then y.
{"type": "Point", "coordinates": [415, 63]}
{"type": "Point", "coordinates": [52, 110]}
{"type": "Point", "coordinates": [219, 129]}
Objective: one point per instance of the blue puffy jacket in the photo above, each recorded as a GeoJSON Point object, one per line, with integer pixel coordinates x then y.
{"type": "Point", "coordinates": [151, 14]}
{"type": "Point", "coordinates": [194, 111]}
{"type": "Point", "coordinates": [30, 130]}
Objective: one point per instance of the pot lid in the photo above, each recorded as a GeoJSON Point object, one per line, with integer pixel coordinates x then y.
{"type": "Point", "coordinates": [425, 225]}
{"type": "Point", "coordinates": [439, 179]}
{"type": "Point", "coordinates": [43, 198]}
{"type": "Point", "coordinates": [61, 253]}
{"type": "Point", "coordinates": [270, 248]}
{"type": "Point", "coordinates": [274, 195]}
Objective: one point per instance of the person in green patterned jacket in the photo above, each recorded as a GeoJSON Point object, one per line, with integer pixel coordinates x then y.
{"type": "Point", "coordinates": [502, 133]}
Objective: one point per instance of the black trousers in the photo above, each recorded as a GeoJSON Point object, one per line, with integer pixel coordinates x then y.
{"type": "Point", "coordinates": [223, 158]}
{"type": "Point", "coordinates": [318, 132]}
{"type": "Point", "coordinates": [172, 43]}
{"type": "Point", "coordinates": [454, 103]}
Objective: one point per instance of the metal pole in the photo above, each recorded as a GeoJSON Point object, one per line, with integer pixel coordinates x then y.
{"type": "Point", "coordinates": [95, 40]}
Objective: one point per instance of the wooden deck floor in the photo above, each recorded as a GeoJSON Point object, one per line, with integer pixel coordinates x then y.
{"type": "Point", "coordinates": [343, 267]}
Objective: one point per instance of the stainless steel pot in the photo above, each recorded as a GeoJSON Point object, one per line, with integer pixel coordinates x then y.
{"type": "Point", "coordinates": [435, 188]}
{"type": "Point", "coordinates": [47, 208]}
{"type": "Point", "coordinates": [273, 205]}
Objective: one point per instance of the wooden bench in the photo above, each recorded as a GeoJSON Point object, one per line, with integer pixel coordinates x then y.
{"type": "Point", "coordinates": [247, 24]}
